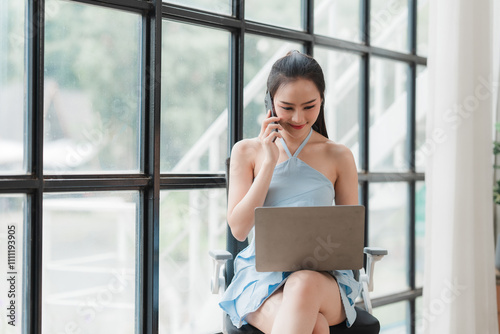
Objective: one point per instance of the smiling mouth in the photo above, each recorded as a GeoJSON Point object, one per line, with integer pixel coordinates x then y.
{"type": "Point", "coordinates": [297, 127]}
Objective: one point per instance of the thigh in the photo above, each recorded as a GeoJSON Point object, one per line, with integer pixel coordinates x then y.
{"type": "Point", "coordinates": [332, 307]}
{"type": "Point", "coordinates": [318, 290]}
{"type": "Point", "coordinates": [263, 317]}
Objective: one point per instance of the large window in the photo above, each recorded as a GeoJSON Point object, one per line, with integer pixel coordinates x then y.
{"type": "Point", "coordinates": [117, 116]}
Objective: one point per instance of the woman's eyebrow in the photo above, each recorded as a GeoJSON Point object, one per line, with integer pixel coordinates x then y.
{"type": "Point", "coordinates": [291, 104]}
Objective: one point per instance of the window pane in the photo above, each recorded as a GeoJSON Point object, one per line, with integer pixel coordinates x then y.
{"type": "Point", "coordinates": [420, 233]}
{"type": "Point", "coordinates": [388, 211]}
{"type": "Point", "coordinates": [192, 222]}
{"type": "Point", "coordinates": [12, 89]}
{"type": "Point", "coordinates": [393, 318]}
{"type": "Point", "coordinates": [422, 27]}
{"type": "Point", "coordinates": [260, 55]}
{"type": "Point", "coordinates": [341, 72]}
{"type": "Point", "coordinates": [338, 18]}
{"type": "Point", "coordinates": [89, 262]}
{"type": "Point", "coordinates": [12, 215]}
{"type": "Point", "coordinates": [195, 95]}
{"type": "Point", "coordinates": [388, 111]}
{"type": "Point", "coordinates": [423, 148]}
{"type": "Point", "coordinates": [218, 6]}
{"type": "Point", "coordinates": [283, 13]}
{"type": "Point", "coordinates": [389, 24]}
{"type": "Point", "coordinates": [92, 88]}
{"type": "Point", "coordinates": [420, 321]}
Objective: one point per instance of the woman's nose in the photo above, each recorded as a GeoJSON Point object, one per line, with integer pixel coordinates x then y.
{"type": "Point", "coordinates": [297, 117]}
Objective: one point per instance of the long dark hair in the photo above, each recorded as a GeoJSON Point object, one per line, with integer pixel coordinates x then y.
{"type": "Point", "coordinates": [295, 65]}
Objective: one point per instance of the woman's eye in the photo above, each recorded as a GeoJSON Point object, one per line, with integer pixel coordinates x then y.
{"type": "Point", "coordinates": [310, 107]}
{"type": "Point", "coordinates": [286, 108]}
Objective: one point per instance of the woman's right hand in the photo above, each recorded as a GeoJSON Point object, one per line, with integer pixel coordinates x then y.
{"type": "Point", "coordinates": [268, 136]}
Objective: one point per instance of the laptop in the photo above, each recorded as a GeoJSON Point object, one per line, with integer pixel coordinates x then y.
{"type": "Point", "coordinates": [317, 238]}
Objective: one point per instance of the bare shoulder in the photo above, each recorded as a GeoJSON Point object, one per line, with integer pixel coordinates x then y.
{"type": "Point", "coordinates": [330, 158]}
{"type": "Point", "coordinates": [346, 173]}
{"type": "Point", "coordinates": [337, 151]}
{"type": "Point", "coordinates": [331, 150]}
{"type": "Point", "coordinates": [339, 155]}
{"type": "Point", "coordinates": [246, 148]}
{"type": "Point", "coordinates": [245, 152]}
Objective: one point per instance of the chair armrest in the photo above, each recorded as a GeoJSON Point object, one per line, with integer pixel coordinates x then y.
{"type": "Point", "coordinates": [218, 254]}
{"type": "Point", "coordinates": [220, 258]}
{"type": "Point", "coordinates": [373, 254]}
{"type": "Point", "coordinates": [375, 251]}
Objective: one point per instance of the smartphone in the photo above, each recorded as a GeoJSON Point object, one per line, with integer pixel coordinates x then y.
{"type": "Point", "coordinates": [270, 106]}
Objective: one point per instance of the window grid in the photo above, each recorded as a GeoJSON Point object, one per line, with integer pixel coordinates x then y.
{"type": "Point", "coordinates": [151, 181]}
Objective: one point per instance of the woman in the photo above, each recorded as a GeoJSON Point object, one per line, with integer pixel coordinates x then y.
{"type": "Point", "coordinates": [302, 168]}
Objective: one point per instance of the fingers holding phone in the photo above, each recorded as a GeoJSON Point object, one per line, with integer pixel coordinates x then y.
{"type": "Point", "coordinates": [271, 113]}
{"type": "Point", "coordinates": [269, 129]}
{"type": "Point", "coordinates": [272, 126]}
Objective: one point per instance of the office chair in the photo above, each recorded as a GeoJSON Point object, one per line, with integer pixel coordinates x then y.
{"type": "Point", "coordinates": [223, 272]}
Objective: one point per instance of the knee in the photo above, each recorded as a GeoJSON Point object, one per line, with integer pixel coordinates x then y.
{"type": "Point", "coordinates": [304, 284]}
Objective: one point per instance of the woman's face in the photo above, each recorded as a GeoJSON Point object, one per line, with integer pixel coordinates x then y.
{"type": "Point", "coordinates": [297, 103]}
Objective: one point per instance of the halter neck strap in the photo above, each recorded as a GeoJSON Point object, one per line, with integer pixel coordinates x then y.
{"type": "Point", "coordinates": [304, 142]}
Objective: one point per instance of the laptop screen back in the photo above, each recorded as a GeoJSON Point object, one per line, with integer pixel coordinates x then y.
{"type": "Point", "coordinates": [316, 238]}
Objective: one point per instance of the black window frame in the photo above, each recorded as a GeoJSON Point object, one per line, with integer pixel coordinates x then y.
{"type": "Point", "coordinates": [151, 181]}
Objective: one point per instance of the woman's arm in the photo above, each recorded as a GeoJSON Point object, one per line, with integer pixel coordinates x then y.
{"type": "Point", "coordinates": [245, 193]}
{"type": "Point", "coordinates": [346, 184]}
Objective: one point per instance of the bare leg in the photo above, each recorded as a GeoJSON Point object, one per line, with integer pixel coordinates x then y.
{"type": "Point", "coordinates": [321, 326]}
{"type": "Point", "coordinates": [263, 318]}
{"type": "Point", "coordinates": [307, 293]}
{"type": "Point", "coordinates": [308, 303]}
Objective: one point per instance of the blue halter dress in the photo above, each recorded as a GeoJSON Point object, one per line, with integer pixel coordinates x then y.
{"type": "Point", "coordinates": [294, 183]}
